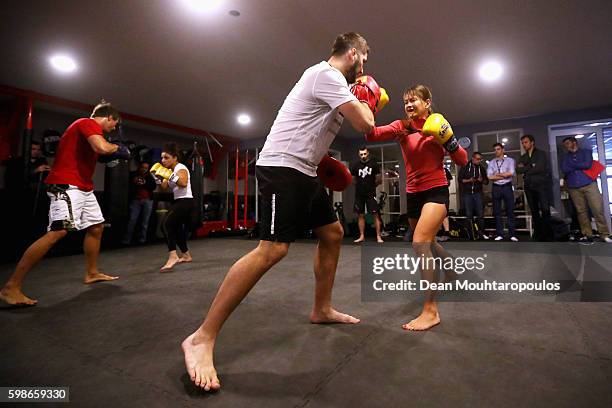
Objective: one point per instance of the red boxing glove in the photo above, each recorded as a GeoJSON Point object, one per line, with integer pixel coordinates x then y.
{"type": "Point", "coordinates": [367, 90]}
{"type": "Point", "coordinates": [334, 175]}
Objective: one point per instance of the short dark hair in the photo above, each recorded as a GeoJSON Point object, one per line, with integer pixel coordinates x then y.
{"type": "Point", "coordinates": [530, 137]}
{"type": "Point", "coordinates": [35, 142]}
{"type": "Point", "coordinates": [104, 110]}
{"type": "Point", "coordinates": [346, 41]}
{"type": "Point", "coordinates": [498, 144]}
{"type": "Point", "coordinates": [171, 149]}
{"type": "Point", "coordinates": [363, 148]}
{"type": "Point", "coordinates": [475, 153]}
{"type": "Point", "coordinates": [572, 138]}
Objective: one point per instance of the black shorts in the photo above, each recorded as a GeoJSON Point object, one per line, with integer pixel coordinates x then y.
{"type": "Point", "coordinates": [416, 201]}
{"type": "Point", "coordinates": [291, 202]}
{"type": "Point", "coordinates": [361, 200]}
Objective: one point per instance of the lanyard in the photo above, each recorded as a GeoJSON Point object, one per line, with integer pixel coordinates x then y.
{"type": "Point", "coordinates": [499, 166]}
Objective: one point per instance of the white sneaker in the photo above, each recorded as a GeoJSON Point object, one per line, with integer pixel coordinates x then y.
{"type": "Point", "coordinates": [499, 238]}
{"type": "Point", "coordinates": [608, 239]}
{"type": "Point", "coordinates": [514, 239]}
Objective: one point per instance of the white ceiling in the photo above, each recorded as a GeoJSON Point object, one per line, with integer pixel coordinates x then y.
{"type": "Point", "coordinates": [156, 59]}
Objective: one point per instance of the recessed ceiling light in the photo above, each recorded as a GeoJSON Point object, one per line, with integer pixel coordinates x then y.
{"type": "Point", "coordinates": [63, 63]}
{"type": "Point", "coordinates": [490, 71]}
{"type": "Point", "coordinates": [244, 119]}
{"type": "Point", "coordinates": [202, 6]}
{"type": "Point", "coordinates": [505, 140]}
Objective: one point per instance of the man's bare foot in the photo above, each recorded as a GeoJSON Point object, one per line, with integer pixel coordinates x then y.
{"type": "Point", "coordinates": [98, 277]}
{"type": "Point", "coordinates": [16, 297]}
{"type": "Point", "coordinates": [199, 363]}
{"type": "Point", "coordinates": [331, 316]}
{"type": "Point", "coordinates": [379, 240]}
{"type": "Point", "coordinates": [358, 240]}
{"type": "Point", "coordinates": [425, 321]}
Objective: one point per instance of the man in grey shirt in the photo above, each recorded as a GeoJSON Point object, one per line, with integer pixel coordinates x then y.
{"type": "Point", "coordinates": [292, 197]}
{"type": "Point", "coordinates": [500, 172]}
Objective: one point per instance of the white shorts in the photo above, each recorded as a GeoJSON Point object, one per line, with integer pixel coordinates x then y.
{"type": "Point", "coordinates": [73, 209]}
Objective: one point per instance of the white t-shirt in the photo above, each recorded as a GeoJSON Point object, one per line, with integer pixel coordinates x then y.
{"type": "Point", "coordinates": [182, 192]}
{"type": "Point", "coordinates": [308, 121]}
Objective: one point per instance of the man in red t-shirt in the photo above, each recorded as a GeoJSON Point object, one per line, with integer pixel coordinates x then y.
{"type": "Point", "coordinates": [73, 205]}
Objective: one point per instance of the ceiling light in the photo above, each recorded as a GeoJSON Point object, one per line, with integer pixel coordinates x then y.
{"type": "Point", "coordinates": [63, 63]}
{"type": "Point", "coordinates": [202, 6]}
{"type": "Point", "coordinates": [244, 119]}
{"type": "Point", "coordinates": [505, 140]}
{"type": "Point", "coordinates": [579, 136]}
{"type": "Point", "coordinates": [490, 71]}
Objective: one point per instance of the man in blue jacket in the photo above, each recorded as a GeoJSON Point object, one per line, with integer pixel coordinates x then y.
{"type": "Point", "coordinates": [583, 189]}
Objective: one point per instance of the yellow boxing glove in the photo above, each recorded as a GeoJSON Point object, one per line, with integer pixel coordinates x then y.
{"type": "Point", "coordinates": [441, 130]}
{"type": "Point", "coordinates": [154, 168]}
{"type": "Point", "coordinates": [384, 100]}
{"type": "Point", "coordinates": [167, 174]}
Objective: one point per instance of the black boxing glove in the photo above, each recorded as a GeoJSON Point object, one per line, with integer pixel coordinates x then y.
{"type": "Point", "coordinates": [122, 153]}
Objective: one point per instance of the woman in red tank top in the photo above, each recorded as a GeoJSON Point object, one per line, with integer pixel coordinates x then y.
{"type": "Point", "coordinates": [426, 185]}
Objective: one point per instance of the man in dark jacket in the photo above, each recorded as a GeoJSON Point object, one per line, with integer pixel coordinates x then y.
{"type": "Point", "coordinates": [471, 178]}
{"type": "Point", "coordinates": [534, 167]}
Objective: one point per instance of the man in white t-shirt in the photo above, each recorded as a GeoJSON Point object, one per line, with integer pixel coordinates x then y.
{"type": "Point", "coordinates": [292, 197]}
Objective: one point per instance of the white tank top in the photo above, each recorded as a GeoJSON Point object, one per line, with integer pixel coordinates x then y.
{"type": "Point", "coordinates": [182, 192]}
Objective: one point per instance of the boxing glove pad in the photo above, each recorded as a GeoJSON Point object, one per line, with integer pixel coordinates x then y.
{"type": "Point", "coordinates": [441, 130]}
{"type": "Point", "coordinates": [122, 153]}
{"type": "Point", "coordinates": [334, 175]}
{"type": "Point", "coordinates": [367, 90]}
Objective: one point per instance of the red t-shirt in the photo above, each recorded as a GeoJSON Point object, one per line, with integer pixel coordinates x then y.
{"type": "Point", "coordinates": [75, 160]}
{"type": "Point", "coordinates": [423, 155]}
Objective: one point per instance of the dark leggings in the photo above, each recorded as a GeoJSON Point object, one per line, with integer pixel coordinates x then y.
{"type": "Point", "coordinates": [178, 223]}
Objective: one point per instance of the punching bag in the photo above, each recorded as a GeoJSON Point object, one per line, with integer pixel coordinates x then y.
{"type": "Point", "coordinates": [197, 184]}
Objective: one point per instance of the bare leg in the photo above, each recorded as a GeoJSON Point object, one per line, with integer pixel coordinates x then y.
{"type": "Point", "coordinates": [91, 247]}
{"type": "Point", "coordinates": [325, 264]}
{"type": "Point", "coordinates": [361, 223]}
{"type": "Point", "coordinates": [445, 224]}
{"type": "Point", "coordinates": [425, 230]}
{"type": "Point", "coordinates": [242, 276]}
{"type": "Point", "coordinates": [11, 292]}
{"type": "Point", "coordinates": [173, 259]}
{"type": "Point", "coordinates": [377, 224]}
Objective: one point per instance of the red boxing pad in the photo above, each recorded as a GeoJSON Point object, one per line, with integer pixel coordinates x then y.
{"type": "Point", "coordinates": [334, 175]}
{"type": "Point", "coordinates": [367, 90]}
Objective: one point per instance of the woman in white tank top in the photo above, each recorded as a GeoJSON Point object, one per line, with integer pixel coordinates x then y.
{"type": "Point", "coordinates": [179, 219]}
